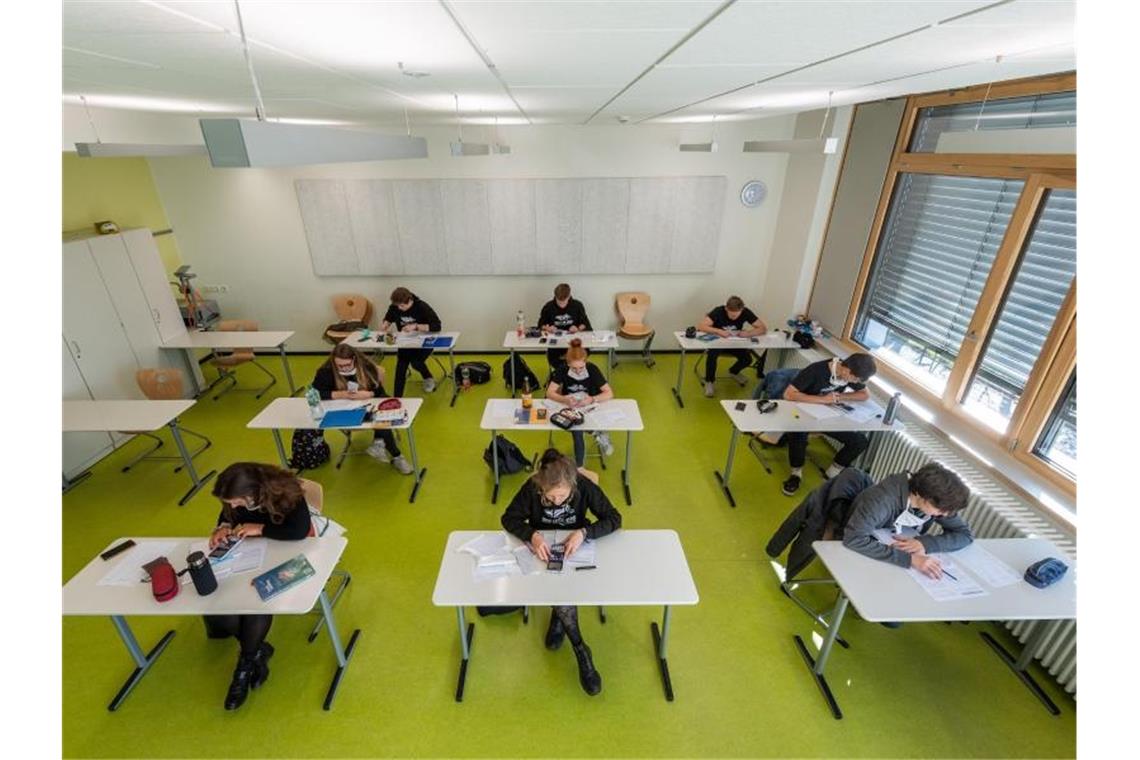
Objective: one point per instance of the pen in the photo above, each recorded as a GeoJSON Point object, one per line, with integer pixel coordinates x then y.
{"type": "Point", "coordinates": [947, 572]}
{"type": "Point", "coordinates": [586, 567]}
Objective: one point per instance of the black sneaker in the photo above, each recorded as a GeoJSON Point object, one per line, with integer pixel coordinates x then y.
{"type": "Point", "coordinates": [555, 633]}
{"type": "Point", "coordinates": [791, 485]}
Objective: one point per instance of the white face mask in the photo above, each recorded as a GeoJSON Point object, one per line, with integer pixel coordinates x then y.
{"type": "Point", "coordinates": [836, 380]}
{"type": "Point", "coordinates": [910, 520]}
{"type": "Point", "coordinates": [347, 372]}
{"type": "Point", "coordinates": [578, 374]}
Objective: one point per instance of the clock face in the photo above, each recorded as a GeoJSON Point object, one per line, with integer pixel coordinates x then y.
{"type": "Point", "coordinates": [753, 193]}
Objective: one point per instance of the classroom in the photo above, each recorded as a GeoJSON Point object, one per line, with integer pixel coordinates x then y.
{"type": "Point", "coordinates": [705, 369]}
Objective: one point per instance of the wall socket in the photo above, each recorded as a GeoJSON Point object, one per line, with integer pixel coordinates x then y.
{"type": "Point", "coordinates": [214, 289]}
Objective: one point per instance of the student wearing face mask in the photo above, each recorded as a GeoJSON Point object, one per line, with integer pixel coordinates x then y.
{"type": "Point", "coordinates": [257, 500]}
{"type": "Point", "coordinates": [565, 314]}
{"type": "Point", "coordinates": [410, 315]}
{"type": "Point", "coordinates": [348, 374]}
{"type": "Point", "coordinates": [734, 319]}
{"type": "Point", "coordinates": [908, 505]}
{"type": "Point", "coordinates": [578, 383]}
{"type": "Point", "coordinates": [557, 498]}
{"type": "Point", "coordinates": [828, 382]}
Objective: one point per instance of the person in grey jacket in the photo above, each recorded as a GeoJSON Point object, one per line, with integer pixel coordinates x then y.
{"type": "Point", "coordinates": [908, 505]}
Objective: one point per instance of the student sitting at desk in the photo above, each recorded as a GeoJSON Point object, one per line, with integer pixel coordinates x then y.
{"type": "Point", "coordinates": [733, 320]}
{"type": "Point", "coordinates": [409, 314]}
{"type": "Point", "coordinates": [556, 497]}
{"type": "Point", "coordinates": [563, 314]}
{"type": "Point", "coordinates": [828, 382]}
{"type": "Point", "coordinates": [257, 500]}
{"type": "Point", "coordinates": [907, 505]}
{"type": "Point", "coordinates": [579, 383]}
{"type": "Point", "coordinates": [348, 374]}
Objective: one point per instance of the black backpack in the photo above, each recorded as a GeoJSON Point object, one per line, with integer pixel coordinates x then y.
{"type": "Point", "coordinates": [511, 458]}
{"type": "Point", "coordinates": [310, 449]}
{"type": "Point", "coordinates": [478, 372]}
{"type": "Point", "coordinates": [522, 374]}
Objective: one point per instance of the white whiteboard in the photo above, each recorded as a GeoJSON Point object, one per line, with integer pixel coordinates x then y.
{"type": "Point", "coordinates": [631, 225]}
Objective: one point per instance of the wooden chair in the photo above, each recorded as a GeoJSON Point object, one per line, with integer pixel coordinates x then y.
{"type": "Point", "coordinates": [321, 526]}
{"type": "Point", "coordinates": [226, 363]}
{"type": "Point", "coordinates": [632, 306]}
{"type": "Point", "coordinates": [162, 384]}
{"type": "Point", "coordinates": [353, 312]}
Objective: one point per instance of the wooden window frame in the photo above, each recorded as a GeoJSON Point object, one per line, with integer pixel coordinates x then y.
{"type": "Point", "coordinates": [1040, 173]}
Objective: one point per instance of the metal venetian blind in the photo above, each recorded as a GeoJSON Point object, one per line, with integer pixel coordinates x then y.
{"type": "Point", "coordinates": [1044, 274]}
{"type": "Point", "coordinates": [942, 235]}
{"type": "Point", "coordinates": [1034, 112]}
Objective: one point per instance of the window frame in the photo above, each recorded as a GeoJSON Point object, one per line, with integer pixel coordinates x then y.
{"type": "Point", "coordinates": [1041, 173]}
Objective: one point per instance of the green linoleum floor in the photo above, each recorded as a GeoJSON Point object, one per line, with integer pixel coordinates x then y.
{"type": "Point", "coordinates": [742, 689]}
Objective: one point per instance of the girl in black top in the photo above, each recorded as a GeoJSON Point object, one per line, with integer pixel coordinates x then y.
{"type": "Point", "coordinates": [257, 500]}
{"type": "Point", "coordinates": [349, 374]}
{"type": "Point", "coordinates": [409, 314]}
{"type": "Point", "coordinates": [580, 383]}
{"type": "Point", "coordinates": [556, 497]}
{"type": "Point", "coordinates": [564, 314]}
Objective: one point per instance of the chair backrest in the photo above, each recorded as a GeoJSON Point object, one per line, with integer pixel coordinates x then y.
{"type": "Point", "coordinates": [632, 306]}
{"type": "Point", "coordinates": [237, 325]}
{"type": "Point", "coordinates": [314, 494]}
{"type": "Point", "coordinates": [162, 384]}
{"type": "Point", "coordinates": [352, 307]}
{"type": "Point", "coordinates": [588, 474]}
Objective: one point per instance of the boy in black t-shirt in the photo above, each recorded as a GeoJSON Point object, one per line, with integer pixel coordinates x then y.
{"type": "Point", "coordinates": [828, 382]}
{"type": "Point", "coordinates": [734, 319]}
{"type": "Point", "coordinates": [409, 314]}
{"type": "Point", "coordinates": [564, 314]}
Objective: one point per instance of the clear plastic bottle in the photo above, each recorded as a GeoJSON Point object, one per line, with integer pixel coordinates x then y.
{"type": "Point", "coordinates": [520, 324]}
{"type": "Point", "coordinates": [314, 399]}
{"type": "Point", "coordinates": [466, 378]}
{"type": "Point", "coordinates": [527, 399]}
{"type": "Point", "coordinates": [892, 409]}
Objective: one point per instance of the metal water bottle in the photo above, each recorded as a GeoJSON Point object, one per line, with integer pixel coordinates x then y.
{"type": "Point", "coordinates": [466, 378]}
{"type": "Point", "coordinates": [892, 409]}
{"type": "Point", "coordinates": [520, 324]}
{"type": "Point", "coordinates": [205, 582]}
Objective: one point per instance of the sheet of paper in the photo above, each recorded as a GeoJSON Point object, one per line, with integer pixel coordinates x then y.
{"type": "Point", "coordinates": [606, 416]}
{"type": "Point", "coordinates": [864, 411]}
{"type": "Point", "coordinates": [953, 585]}
{"type": "Point", "coordinates": [485, 545]}
{"type": "Point", "coordinates": [128, 570]}
{"type": "Point", "coordinates": [528, 563]}
{"type": "Point", "coordinates": [482, 573]}
{"type": "Point", "coordinates": [333, 405]}
{"type": "Point", "coordinates": [504, 408]}
{"type": "Point", "coordinates": [986, 567]}
{"type": "Point", "coordinates": [603, 336]}
{"type": "Point", "coordinates": [586, 554]}
{"type": "Point", "coordinates": [409, 340]}
{"type": "Point", "coordinates": [248, 556]}
{"type": "Point", "coordinates": [504, 557]}
{"type": "Point", "coordinates": [819, 411]}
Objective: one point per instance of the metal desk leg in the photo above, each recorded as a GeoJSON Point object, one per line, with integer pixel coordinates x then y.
{"type": "Point", "coordinates": [293, 389]}
{"type": "Point", "coordinates": [680, 377]}
{"type": "Point", "coordinates": [610, 361]}
{"type": "Point", "coordinates": [454, 377]}
{"type": "Point", "coordinates": [495, 468]}
{"type": "Point", "coordinates": [817, 665]}
{"type": "Point", "coordinates": [1020, 666]}
{"type": "Point", "coordinates": [416, 471]}
{"type": "Point", "coordinates": [466, 633]}
{"type": "Point", "coordinates": [625, 472]}
{"type": "Point", "coordinates": [280, 448]}
{"type": "Point", "coordinates": [660, 645]}
{"type": "Point", "coordinates": [189, 464]}
{"type": "Point", "coordinates": [511, 359]}
{"type": "Point", "coordinates": [69, 483]}
{"type": "Point", "coordinates": [142, 662]}
{"type": "Point", "coordinates": [343, 655]}
{"type": "Point", "coordinates": [728, 467]}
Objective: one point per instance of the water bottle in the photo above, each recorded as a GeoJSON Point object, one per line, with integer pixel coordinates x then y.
{"type": "Point", "coordinates": [466, 378]}
{"type": "Point", "coordinates": [892, 409]}
{"type": "Point", "coordinates": [314, 399]}
{"type": "Point", "coordinates": [205, 582]}
{"type": "Point", "coordinates": [520, 324]}
{"type": "Point", "coordinates": [527, 399]}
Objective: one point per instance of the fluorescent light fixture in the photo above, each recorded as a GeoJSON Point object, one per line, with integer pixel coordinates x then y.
{"type": "Point", "coordinates": [501, 149]}
{"type": "Point", "coordinates": [470, 149]}
{"type": "Point", "coordinates": [809, 145]}
{"type": "Point", "coordinates": [252, 143]}
{"type": "Point", "coordinates": [709, 147]}
{"type": "Point", "coordinates": [120, 150]}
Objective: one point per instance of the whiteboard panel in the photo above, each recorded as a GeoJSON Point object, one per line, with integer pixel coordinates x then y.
{"type": "Point", "coordinates": [696, 233]}
{"type": "Point", "coordinates": [605, 225]}
{"type": "Point", "coordinates": [372, 215]}
{"type": "Point", "coordinates": [511, 204]}
{"type": "Point", "coordinates": [327, 227]}
{"type": "Point", "coordinates": [466, 226]}
{"type": "Point", "coordinates": [652, 207]}
{"type": "Point", "coordinates": [419, 211]}
{"type": "Point", "coordinates": [558, 225]}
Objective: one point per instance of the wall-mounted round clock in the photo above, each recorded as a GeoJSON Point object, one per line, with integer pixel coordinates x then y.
{"type": "Point", "coordinates": [753, 193]}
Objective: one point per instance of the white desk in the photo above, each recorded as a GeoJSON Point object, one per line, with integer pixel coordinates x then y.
{"type": "Point", "coordinates": [789, 417]}
{"type": "Point", "coordinates": [375, 342]}
{"type": "Point", "coordinates": [495, 420]}
{"type": "Point", "coordinates": [882, 592]}
{"type": "Point", "coordinates": [597, 340]}
{"type": "Point", "coordinates": [129, 416]}
{"type": "Point", "coordinates": [634, 568]}
{"type": "Point", "coordinates": [777, 339]}
{"type": "Point", "coordinates": [293, 414]}
{"type": "Point", "coordinates": [82, 595]}
{"type": "Point", "coordinates": [212, 341]}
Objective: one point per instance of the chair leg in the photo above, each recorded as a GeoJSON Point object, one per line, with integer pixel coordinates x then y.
{"type": "Point", "coordinates": [225, 376]}
{"type": "Point", "coordinates": [646, 354]}
{"type": "Point", "coordinates": [157, 445]}
{"type": "Point", "coordinates": [344, 451]}
{"type": "Point", "coordinates": [272, 378]}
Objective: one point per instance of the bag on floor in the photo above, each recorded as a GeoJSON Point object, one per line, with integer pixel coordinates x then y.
{"type": "Point", "coordinates": [522, 374]}
{"type": "Point", "coordinates": [478, 372]}
{"type": "Point", "coordinates": [310, 449]}
{"type": "Point", "coordinates": [511, 458]}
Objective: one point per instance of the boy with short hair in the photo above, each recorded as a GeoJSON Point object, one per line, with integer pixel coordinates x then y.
{"type": "Point", "coordinates": [409, 314]}
{"type": "Point", "coordinates": [733, 319]}
{"type": "Point", "coordinates": [562, 313]}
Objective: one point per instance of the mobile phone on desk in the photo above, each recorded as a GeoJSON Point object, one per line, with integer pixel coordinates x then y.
{"type": "Point", "coordinates": [557, 557]}
{"type": "Point", "coordinates": [117, 549]}
{"type": "Point", "coordinates": [740, 406]}
{"type": "Point", "coordinates": [222, 550]}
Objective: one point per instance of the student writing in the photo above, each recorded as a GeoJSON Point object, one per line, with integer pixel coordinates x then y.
{"type": "Point", "coordinates": [565, 314]}
{"type": "Point", "coordinates": [410, 314]}
{"type": "Point", "coordinates": [733, 319]}
{"type": "Point", "coordinates": [579, 383]}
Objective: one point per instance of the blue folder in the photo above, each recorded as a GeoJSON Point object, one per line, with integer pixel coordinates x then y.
{"type": "Point", "coordinates": [339, 418]}
{"type": "Point", "coordinates": [438, 341]}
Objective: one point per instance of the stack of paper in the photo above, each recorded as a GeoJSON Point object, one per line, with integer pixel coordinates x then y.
{"type": "Point", "coordinates": [954, 583]}
{"type": "Point", "coordinates": [819, 411]}
{"type": "Point", "coordinates": [128, 570]}
{"type": "Point", "coordinates": [606, 416]}
{"type": "Point", "coordinates": [991, 570]}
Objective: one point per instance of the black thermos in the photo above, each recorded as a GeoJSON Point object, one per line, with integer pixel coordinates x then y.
{"type": "Point", "coordinates": [201, 573]}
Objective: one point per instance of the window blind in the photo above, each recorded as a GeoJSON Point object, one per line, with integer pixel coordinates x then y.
{"type": "Point", "coordinates": [1035, 112]}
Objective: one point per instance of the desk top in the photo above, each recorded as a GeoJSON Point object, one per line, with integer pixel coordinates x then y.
{"type": "Point", "coordinates": [229, 339]}
{"type": "Point", "coordinates": [375, 341]}
{"type": "Point", "coordinates": [634, 567]}
{"type": "Point", "coordinates": [606, 339]}
{"type": "Point", "coordinates": [293, 414]}
{"type": "Point", "coordinates": [494, 419]}
{"type": "Point", "coordinates": [103, 416]}
{"type": "Point", "coordinates": [774, 339]}
{"type": "Point", "coordinates": [82, 595]}
{"type": "Point", "coordinates": [784, 420]}
{"type": "Point", "coordinates": [883, 592]}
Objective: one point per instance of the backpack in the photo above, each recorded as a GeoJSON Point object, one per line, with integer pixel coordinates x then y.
{"type": "Point", "coordinates": [479, 372]}
{"type": "Point", "coordinates": [522, 374]}
{"type": "Point", "coordinates": [310, 449]}
{"type": "Point", "coordinates": [511, 458]}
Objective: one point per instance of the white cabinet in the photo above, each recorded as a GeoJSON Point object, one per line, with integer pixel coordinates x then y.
{"type": "Point", "coordinates": [155, 283]}
{"type": "Point", "coordinates": [80, 450]}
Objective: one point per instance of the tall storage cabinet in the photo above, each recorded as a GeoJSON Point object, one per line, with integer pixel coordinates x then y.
{"type": "Point", "coordinates": [117, 310]}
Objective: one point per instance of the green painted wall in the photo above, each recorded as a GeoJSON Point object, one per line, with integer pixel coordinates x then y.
{"type": "Point", "coordinates": [119, 189]}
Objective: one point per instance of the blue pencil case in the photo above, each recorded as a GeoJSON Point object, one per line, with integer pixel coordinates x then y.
{"type": "Point", "coordinates": [1046, 572]}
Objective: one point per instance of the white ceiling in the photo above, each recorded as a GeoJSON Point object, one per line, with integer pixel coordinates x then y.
{"type": "Point", "coordinates": [559, 62]}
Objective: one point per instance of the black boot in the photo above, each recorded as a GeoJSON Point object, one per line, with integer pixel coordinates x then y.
{"type": "Point", "coordinates": [555, 633]}
{"type": "Point", "coordinates": [264, 652]}
{"type": "Point", "coordinates": [243, 676]}
{"type": "Point", "coordinates": [590, 679]}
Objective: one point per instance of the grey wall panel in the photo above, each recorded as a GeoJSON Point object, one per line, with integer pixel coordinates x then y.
{"type": "Point", "coordinates": [699, 208]}
{"type": "Point", "coordinates": [372, 215]}
{"type": "Point", "coordinates": [419, 210]}
{"type": "Point", "coordinates": [511, 203]}
{"type": "Point", "coordinates": [605, 225]}
{"type": "Point", "coordinates": [324, 212]}
{"type": "Point", "coordinates": [652, 218]}
{"type": "Point", "coordinates": [558, 226]}
{"type": "Point", "coordinates": [466, 226]}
